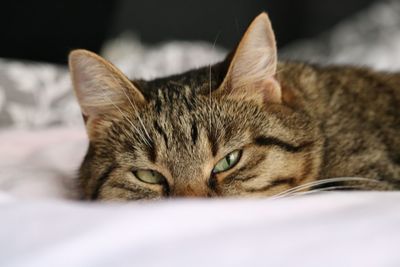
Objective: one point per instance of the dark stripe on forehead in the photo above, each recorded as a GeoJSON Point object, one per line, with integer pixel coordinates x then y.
{"type": "Point", "coordinates": [229, 130]}
{"type": "Point", "coordinates": [213, 143]}
{"type": "Point", "coordinates": [189, 102]}
{"type": "Point", "coordinates": [161, 132]}
{"type": "Point", "coordinates": [272, 141]}
{"type": "Point", "coordinates": [101, 181]}
{"type": "Point", "coordinates": [157, 105]}
{"type": "Point", "coordinates": [194, 133]}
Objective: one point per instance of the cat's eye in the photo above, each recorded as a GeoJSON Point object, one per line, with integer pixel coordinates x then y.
{"type": "Point", "coordinates": [149, 176]}
{"type": "Point", "coordinates": [227, 162]}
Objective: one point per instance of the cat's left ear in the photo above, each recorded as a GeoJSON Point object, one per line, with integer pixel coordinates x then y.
{"type": "Point", "coordinates": [251, 71]}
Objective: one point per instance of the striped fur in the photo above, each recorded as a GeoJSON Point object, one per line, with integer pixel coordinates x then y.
{"type": "Point", "coordinates": [296, 124]}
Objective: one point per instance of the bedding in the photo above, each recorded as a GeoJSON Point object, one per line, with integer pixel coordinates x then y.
{"type": "Point", "coordinates": [369, 38]}
{"type": "Point", "coordinates": [338, 229]}
{"type": "Point", "coordinates": [42, 225]}
{"type": "Point", "coordinates": [42, 142]}
{"type": "Point", "coordinates": [40, 163]}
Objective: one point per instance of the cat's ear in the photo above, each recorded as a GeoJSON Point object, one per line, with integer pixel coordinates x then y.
{"type": "Point", "coordinates": [252, 68]}
{"type": "Point", "coordinates": [101, 89]}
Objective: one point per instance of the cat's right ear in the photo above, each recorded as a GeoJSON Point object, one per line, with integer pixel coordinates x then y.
{"type": "Point", "coordinates": [101, 89]}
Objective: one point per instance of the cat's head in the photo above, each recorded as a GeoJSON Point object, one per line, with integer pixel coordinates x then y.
{"type": "Point", "coordinates": [224, 130]}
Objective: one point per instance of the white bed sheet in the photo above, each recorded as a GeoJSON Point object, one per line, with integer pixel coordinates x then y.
{"type": "Point", "coordinates": [338, 229]}
{"type": "Point", "coordinates": [41, 226]}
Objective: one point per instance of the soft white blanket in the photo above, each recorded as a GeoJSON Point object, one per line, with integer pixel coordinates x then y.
{"type": "Point", "coordinates": [40, 163]}
{"type": "Point", "coordinates": [356, 229]}
{"type": "Point", "coordinates": [41, 226]}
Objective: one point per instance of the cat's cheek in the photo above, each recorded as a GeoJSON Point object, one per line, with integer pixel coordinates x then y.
{"type": "Point", "coordinates": [273, 171]}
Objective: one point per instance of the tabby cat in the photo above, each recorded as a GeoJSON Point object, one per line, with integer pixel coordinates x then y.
{"type": "Point", "coordinates": [247, 126]}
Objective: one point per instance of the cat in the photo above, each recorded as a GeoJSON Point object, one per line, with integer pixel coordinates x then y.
{"type": "Point", "coordinates": [247, 126]}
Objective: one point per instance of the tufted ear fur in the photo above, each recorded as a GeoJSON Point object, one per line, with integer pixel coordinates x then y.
{"type": "Point", "coordinates": [251, 71]}
{"type": "Point", "coordinates": [101, 89]}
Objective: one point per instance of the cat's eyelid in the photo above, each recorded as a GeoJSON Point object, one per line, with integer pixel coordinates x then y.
{"type": "Point", "coordinates": [155, 168]}
{"type": "Point", "coordinates": [150, 177]}
{"type": "Point", "coordinates": [231, 165]}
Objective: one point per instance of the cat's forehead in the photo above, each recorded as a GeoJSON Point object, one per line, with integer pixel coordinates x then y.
{"type": "Point", "coordinates": [197, 80]}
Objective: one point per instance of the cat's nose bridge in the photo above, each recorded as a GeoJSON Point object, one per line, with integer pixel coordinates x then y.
{"type": "Point", "coordinates": [190, 180]}
{"type": "Point", "coordinates": [190, 191]}
{"type": "Point", "coordinates": [190, 185]}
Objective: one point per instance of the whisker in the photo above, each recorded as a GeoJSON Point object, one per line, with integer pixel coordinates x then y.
{"type": "Point", "coordinates": [120, 111]}
{"type": "Point", "coordinates": [135, 110]}
{"type": "Point", "coordinates": [210, 84]}
{"type": "Point", "coordinates": [325, 181]}
{"type": "Point", "coordinates": [329, 188]}
{"type": "Point", "coordinates": [137, 114]}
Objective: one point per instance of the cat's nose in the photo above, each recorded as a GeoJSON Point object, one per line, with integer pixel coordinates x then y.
{"type": "Point", "coordinates": [189, 191]}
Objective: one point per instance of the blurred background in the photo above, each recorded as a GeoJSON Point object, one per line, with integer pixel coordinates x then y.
{"type": "Point", "coordinates": [46, 30]}
{"type": "Point", "coordinates": [149, 38]}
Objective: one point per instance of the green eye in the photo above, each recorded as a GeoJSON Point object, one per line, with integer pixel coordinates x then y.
{"type": "Point", "coordinates": [228, 162]}
{"type": "Point", "coordinates": [150, 177]}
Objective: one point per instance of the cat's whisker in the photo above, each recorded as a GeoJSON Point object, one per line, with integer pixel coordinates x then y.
{"type": "Point", "coordinates": [106, 97]}
{"type": "Point", "coordinates": [304, 186]}
{"type": "Point", "coordinates": [139, 118]}
{"type": "Point", "coordinates": [324, 181]}
{"type": "Point", "coordinates": [136, 112]}
{"type": "Point", "coordinates": [325, 189]}
{"type": "Point", "coordinates": [327, 181]}
{"type": "Point", "coordinates": [210, 83]}
{"type": "Point", "coordinates": [210, 100]}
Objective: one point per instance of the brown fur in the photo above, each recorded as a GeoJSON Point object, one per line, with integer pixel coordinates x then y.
{"type": "Point", "coordinates": [296, 125]}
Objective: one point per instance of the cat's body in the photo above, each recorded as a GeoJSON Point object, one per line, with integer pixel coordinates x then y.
{"type": "Point", "coordinates": [358, 111]}
{"type": "Point", "coordinates": [248, 126]}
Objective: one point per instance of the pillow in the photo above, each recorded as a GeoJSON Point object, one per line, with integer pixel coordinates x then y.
{"type": "Point", "coordinates": [370, 38]}
{"type": "Point", "coordinates": [38, 95]}
{"type": "Point", "coordinates": [34, 95]}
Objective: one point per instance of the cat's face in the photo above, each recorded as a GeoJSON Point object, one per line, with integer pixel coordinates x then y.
{"type": "Point", "coordinates": [224, 130]}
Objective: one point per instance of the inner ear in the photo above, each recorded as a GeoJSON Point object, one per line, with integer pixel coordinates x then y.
{"type": "Point", "coordinates": [252, 66]}
{"type": "Point", "coordinates": [100, 87]}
